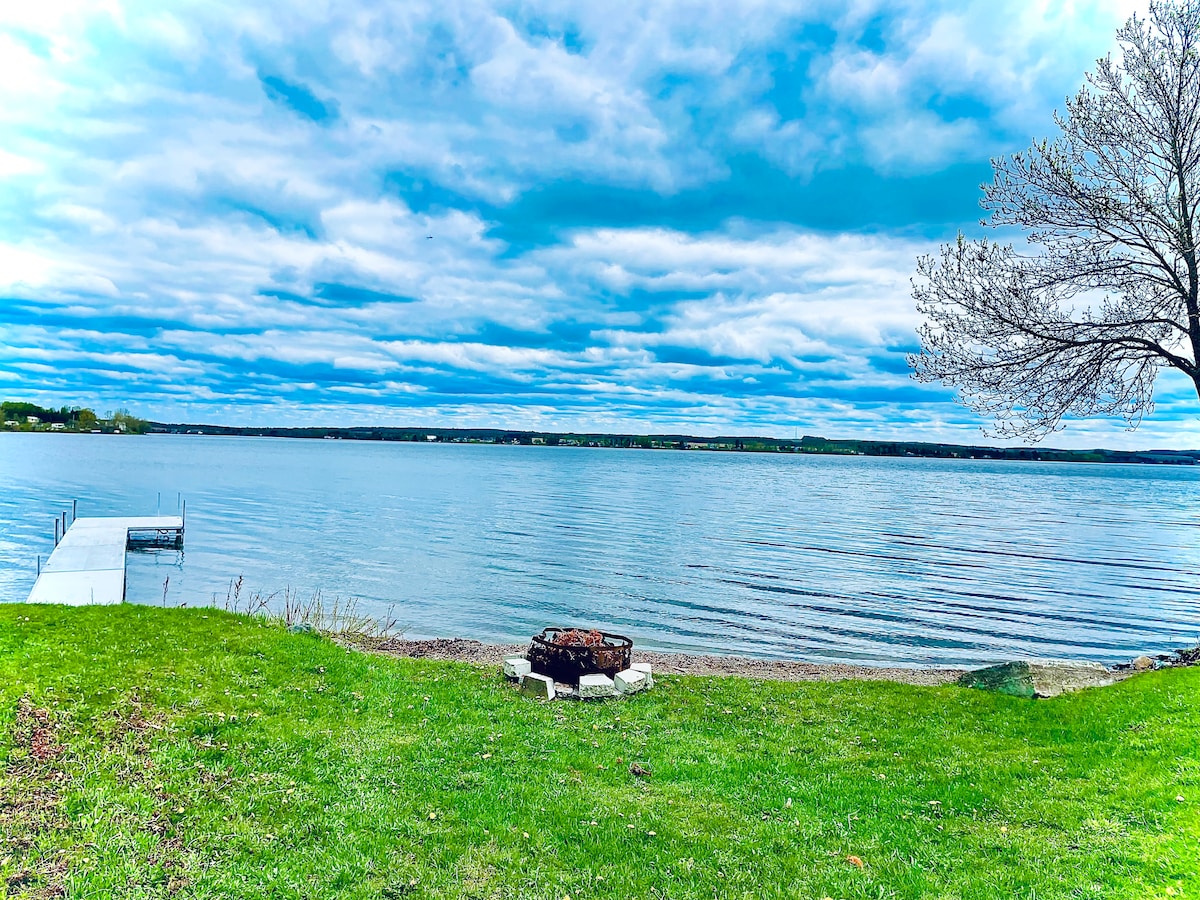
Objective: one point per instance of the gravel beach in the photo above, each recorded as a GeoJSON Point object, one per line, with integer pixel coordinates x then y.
{"type": "Point", "coordinates": [477, 653]}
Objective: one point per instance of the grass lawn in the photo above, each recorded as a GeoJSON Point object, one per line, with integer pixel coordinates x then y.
{"type": "Point", "coordinates": [192, 753]}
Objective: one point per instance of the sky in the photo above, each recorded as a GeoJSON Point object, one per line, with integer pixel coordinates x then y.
{"type": "Point", "coordinates": [646, 217]}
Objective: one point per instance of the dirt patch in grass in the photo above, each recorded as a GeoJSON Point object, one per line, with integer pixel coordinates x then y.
{"type": "Point", "coordinates": [35, 737]}
{"type": "Point", "coordinates": [30, 804]}
{"type": "Point", "coordinates": [38, 840]}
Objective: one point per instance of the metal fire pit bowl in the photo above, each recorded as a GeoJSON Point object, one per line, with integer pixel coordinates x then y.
{"type": "Point", "coordinates": [565, 663]}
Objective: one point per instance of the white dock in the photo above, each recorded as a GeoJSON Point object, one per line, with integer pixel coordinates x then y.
{"type": "Point", "coordinates": [88, 565]}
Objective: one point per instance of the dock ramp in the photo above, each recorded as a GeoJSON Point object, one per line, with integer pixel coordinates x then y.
{"type": "Point", "coordinates": [88, 563]}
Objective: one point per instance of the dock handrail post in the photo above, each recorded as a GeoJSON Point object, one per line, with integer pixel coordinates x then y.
{"type": "Point", "coordinates": [39, 565]}
{"type": "Point", "coordinates": [74, 507]}
{"type": "Point", "coordinates": [64, 522]}
{"type": "Point", "coordinates": [183, 518]}
{"type": "Point", "coordinates": [56, 531]}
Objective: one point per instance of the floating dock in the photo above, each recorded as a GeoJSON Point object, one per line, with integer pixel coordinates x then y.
{"type": "Point", "coordinates": [88, 563]}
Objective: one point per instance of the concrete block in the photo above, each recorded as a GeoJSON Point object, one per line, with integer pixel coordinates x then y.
{"type": "Point", "coordinates": [644, 668]}
{"type": "Point", "coordinates": [630, 681]}
{"type": "Point", "coordinates": [595, 686]}
{"type": "Point", "coordinates": [537, 686]}
{"type": "Point", "coordinates": [516, 666]}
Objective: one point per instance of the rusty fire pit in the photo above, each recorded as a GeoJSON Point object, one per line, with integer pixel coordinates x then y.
{"type": "Point", "coordinates": [566, 653]}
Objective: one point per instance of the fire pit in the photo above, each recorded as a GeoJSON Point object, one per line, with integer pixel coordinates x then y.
{"type": "Point", "coordinates": [564, 654]}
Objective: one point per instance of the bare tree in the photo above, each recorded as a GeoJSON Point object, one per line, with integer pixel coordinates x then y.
{"type": "Point", "coordinates": [1081, 325]}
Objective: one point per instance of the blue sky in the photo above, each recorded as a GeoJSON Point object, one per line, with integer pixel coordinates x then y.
{"type": "Point", "coordinates": [639, 216]}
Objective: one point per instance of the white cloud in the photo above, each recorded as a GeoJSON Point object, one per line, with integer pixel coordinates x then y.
{"type": "Point", "coordinates": [49, 16]}
{"type": "Point", "coordinates": [23, 268]}
{"type": "Point", "coordinates": [13, 165]}
{"type": "Point", "coordinates": [153, 187]}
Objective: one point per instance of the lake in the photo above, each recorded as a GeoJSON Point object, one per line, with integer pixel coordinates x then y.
{"type": "Point", "coordinates": [821, 558]}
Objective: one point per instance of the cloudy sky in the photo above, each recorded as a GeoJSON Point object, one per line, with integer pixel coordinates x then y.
{"type": "Point", "coordinates": [628, 216]}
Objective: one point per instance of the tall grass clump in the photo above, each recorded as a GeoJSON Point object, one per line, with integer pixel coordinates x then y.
{"type": "Point", "coordinates": [342, 615]}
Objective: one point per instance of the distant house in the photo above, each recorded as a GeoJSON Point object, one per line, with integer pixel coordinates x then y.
{"type": "Point", "coordinates": [33, 420]}
{"type": "Point", "coordinates": [57, 426]}
{"type": "Point", "coordinates": [539, 440]}
{"type": "Point", "coordinates": [431, 437]}
{"type": "Point", "coordinates": [11, 423]}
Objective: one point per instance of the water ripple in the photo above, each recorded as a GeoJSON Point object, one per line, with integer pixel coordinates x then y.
{"type": "Point", "coordinates": [891, 561]}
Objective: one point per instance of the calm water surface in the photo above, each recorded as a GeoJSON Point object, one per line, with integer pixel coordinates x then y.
{"type": "Point", "coordinates": [899, 561]}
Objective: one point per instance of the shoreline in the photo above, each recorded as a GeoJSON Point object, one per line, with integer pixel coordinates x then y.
{"type": "Point", "coordinates": [664, 663]}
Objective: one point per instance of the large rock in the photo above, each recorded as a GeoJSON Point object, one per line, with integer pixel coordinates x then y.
{"type": "Point", "coordinates": [1038, 678]}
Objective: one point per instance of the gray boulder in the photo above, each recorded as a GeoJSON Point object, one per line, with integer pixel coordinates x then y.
{"type": "Point", "coordinates": [1038, 678]}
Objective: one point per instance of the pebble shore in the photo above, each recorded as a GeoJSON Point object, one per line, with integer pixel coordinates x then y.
{"type": "Point", "coordinates": [475, 652]}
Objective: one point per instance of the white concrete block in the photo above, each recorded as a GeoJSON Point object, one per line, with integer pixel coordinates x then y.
{"type": "Point", "coordinates": [594, 686]}
{"type": "Point", "coordinates": [516, 666]}
{"type": "Point", "coordinates": [631, 681]}
{"type": "Point", "coordinates": [644, 668]}
{"type": "Point", "coordinates": [537, 686]}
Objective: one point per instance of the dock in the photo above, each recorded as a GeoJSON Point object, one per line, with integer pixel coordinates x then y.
{"type": "Point", "coordinates": [88, 563]}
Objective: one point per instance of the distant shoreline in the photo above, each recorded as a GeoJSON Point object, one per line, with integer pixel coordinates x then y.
{"type": "Point", "coordinates": [807, 444]}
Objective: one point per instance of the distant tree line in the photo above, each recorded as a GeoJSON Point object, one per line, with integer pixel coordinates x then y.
{"type": "Point", "coordinates": [31, 417]}
{"type": "Point", "coordinates": [806, 444]}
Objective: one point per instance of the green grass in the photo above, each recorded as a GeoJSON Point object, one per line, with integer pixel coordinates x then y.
{"type": "Point", "coordinates": [193, 753]}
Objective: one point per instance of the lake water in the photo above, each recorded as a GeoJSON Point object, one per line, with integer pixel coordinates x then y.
{"type": "Point", "coordinates": [822, 558]}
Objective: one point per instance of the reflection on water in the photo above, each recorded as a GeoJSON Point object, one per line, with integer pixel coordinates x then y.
{"type": "Point", "coordinates": [824, 558]}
